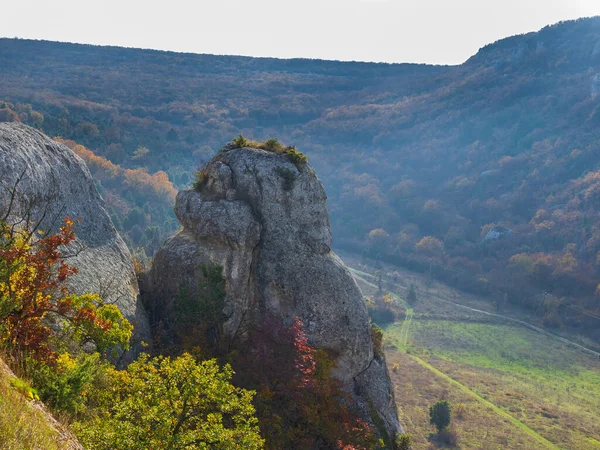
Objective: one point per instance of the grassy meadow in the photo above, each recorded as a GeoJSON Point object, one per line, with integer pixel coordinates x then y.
{"type": "Point", "coordinates": [511, 387]}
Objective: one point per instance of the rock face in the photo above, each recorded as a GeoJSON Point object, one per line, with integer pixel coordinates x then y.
{"type": "Point", "coordinates": [497, 233]}
{"type": "Point", "coordinates": [266, 222]}
{"type": "Point", "coordinates": [58, 184]}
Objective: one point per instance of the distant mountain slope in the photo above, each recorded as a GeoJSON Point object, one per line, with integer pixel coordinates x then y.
{"type": "Point", "coordinates": [506, 141]}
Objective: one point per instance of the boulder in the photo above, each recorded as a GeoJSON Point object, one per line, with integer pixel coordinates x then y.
{"type": "Point", "coordinates": [56, 183]}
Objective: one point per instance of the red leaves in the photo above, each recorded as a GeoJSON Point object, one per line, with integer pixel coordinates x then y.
{"type": "Point", "coordinates": [34, 278]}
{"type": "Point", "coordinates": [305, 358]}
{"type": "Point", "coordinates": [298, 402]}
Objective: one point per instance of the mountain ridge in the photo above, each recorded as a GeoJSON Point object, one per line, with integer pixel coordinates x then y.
{"type": "Point", "coordinates": [405, 152]}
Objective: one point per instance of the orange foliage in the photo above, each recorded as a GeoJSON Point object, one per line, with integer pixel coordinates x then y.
{"type": "Point", "coordinates": [138, 179]}
{"type": "Point", "coordinates": [33, 277]}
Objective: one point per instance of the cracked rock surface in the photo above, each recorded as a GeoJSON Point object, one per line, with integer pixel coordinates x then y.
{"type": "Point", "coordinates": [266, 222]}
{"type": "Point", "coordinates": [60, 185]}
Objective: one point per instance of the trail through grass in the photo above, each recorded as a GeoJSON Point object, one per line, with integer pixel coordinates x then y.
{"type": "Point", "coordinates": [544, 391]}
{"type": "Point", "coordinates": [489, 404]}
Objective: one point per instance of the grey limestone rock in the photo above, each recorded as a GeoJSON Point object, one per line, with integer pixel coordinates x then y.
{"type": "Point", "coordinates": [595, 86]}
{"type": "Point", "coordinates": [266, 222]}
{"type": "Point", "coordinates": [60, 184]}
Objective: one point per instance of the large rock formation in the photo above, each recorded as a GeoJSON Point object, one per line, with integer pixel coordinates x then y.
{"type": "Point", "coordinates": [56, 183]}
{"type": "Point", "coordinates": [266, 222]}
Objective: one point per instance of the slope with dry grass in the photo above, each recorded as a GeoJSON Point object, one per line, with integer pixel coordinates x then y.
{"type": "Point", "coordinates": [24, 423]}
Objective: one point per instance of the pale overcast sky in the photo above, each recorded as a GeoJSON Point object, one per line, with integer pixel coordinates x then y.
{"type": "Point", "coordinates": [431, 31]}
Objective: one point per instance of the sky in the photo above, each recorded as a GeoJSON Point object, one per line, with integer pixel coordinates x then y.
{"type": "Point", "coordinates": [423, 31]}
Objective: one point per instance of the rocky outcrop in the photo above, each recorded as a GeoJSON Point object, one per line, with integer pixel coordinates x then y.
{"type": "Point", "coordinates": [266, 222]}
{"type": "Point", "coordinates": [497, 233]}
{"type": "Point", "coordinates": [56, 183]}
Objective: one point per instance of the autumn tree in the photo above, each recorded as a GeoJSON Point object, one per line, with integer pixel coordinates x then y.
{"type": "Point", "coordinates": [164, 403]}
{"type": "Point", "coordinates": [8, 115]}
{"type": "Point", "coordinates": [430, 246]}
{"type": "Point", "coordinates": [300, 405]}
{"type": "Point", "coordinates": [38, 314]}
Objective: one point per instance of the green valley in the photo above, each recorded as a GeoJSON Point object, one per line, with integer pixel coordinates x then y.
{"type": "Point", "coordinates": [511, 387]}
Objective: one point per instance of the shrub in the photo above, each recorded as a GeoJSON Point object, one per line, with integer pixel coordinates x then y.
{"type": "Point", "coordinates": [24, 389]}
{"type": "Point", "coordinates": [377, 338]}
{"type": "Point", "coordinates": [383, 309]}
{"type": "Point", "coordinates": [199, 321]}
{"type": "Point", "coordinates": [403, 441]}
{"type": "Point", "coordinates": [8, 115]}
{"type": "Point", "coordinates": [296, 157]}
{"type": "Point", "coordinates": [448, 437]}
{"type": "Point", "coordinates": [299, 403]}
{"type": "Point", "coordinates": [288, 178]}
{"type": "Point", "coordinates": [439, 415]}
{"type": "Point", "coordinates": [64, 386]}
{"type": "Point", "coordinates": [240, 142]}
{"type": "Point", "coordinates": [201, 179]}
{"type": "Point", "coordinates": [459, 410]}
{"type": "Point", "coordinates": [34, 295]}
{"type": "Point", "coordinates": [272, 145]}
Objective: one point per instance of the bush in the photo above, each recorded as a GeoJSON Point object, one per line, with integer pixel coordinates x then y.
{"type": "Point", "coordinates": [448, 437]}
{"type": "Point", "coordinates": [403, 442]}
{"type": "Point", "coordinates": [272, 145]}
{"type": "Point", "coordinates": [383, 309]}
{"type": "Point", "coordinates": [377, 338]}
{"type": "Point", "coordinates": [34, 294]}
{"type": "Point", "coordinates": [201, 179]}
{"type": "Point", "coordinates": [296, 157]}
{"type": "Point", "coordinates": [240, 142]}
{"type": "Point", "coordinates": [63, 387]}
{"type": "Point", "coordinates": [300, 405]}
{"type": "Point", "coordinates": [288, 178]}
{"type": "Point", "coordinates": [459, 410]}
{"type": "Point", "coordinates": [8, 115]}
{"type": "Point", "coordinates": [24, 389]}
{"type": "Point", "coordinates": [439, 415]}
{"type": "Point", "coordinates": [198, 321]}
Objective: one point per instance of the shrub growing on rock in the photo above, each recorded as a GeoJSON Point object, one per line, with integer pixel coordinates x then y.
{"type": "Point", "coordinates": [272, 145]}
{"type": "Point", "coordinates": [300, 405]}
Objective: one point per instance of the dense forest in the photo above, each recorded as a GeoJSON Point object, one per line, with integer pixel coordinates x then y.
{"type": "Point", "coordinates": [486, 174]}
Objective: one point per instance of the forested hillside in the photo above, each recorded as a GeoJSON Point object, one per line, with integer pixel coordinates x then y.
{"type": "Point", "coordinates": [486, 174]}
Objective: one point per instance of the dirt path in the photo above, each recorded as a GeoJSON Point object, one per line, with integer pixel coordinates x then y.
{"type": "Point", "coordinates": [541, 439]}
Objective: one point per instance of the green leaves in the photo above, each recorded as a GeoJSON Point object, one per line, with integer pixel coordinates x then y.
{"type": "Point", "coordinates": [439, 415]}
{"type": "Point", "coordinates": [164, 403]}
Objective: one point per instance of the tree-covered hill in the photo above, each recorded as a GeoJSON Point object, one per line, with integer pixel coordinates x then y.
{"type": "Point", "coordinates": [487, 174]}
